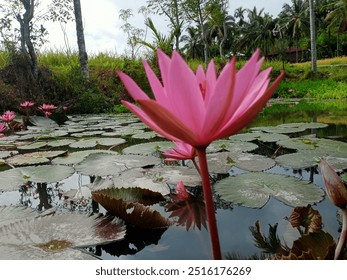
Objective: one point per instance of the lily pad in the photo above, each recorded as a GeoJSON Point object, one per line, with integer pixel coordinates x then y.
{"type": "Point", "coordinates": [32, 146]}
{"type": "Point", "coordinates": [148, 148]}
{"type": "Point", "coordinates": [254, 189]}
{"type": "Point", "coordinates": [133, 178]}
{"type": "Point", "coordinates": [221, 163]}
{"type": "Point", "coordinates": [56, 233]}
{"type": "Point", "coordinates": [77, 157]}
{"type": "Point", "coordinates": [327, 146]}
{"type": "Point", "coordinates": [145, 135]}
{"type": "Point", "coordinates": [10, 214]}
{"type": "Point", "coordinates": [13, 178]}
{"type": "Point", "coordinates": [232, 146]}
{"type": "Point", "coordinates": [93, 142]}
{"type": "Point", "coordinates": [19, 252]}
{"type": "Point", "coordinates": [133, 213]}
{"type": "Point", "coordinates": [6, 154]}
{"type": "Point", "coordinates": [106, 164]}
{"type": "Point", "coordinates": [34, 158]}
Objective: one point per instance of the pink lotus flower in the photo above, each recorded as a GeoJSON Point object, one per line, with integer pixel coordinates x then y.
{"type": "Point", "coordinates": [8, 116]}
{"type": "Point", "coordinates": [181, 152]}
{"type": "Point", "coordinates": [2, 127]}
{"type": "Point", "coordinates": [47, 107]}
{"type": "Point", "coordinates": [26, 104]}
{"type": "Point", "coordinates": [198, 108]}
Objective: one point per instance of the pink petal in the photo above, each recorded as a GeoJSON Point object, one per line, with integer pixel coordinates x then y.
{"type": "Point", "coordinates": [184, 94]}
{"type": "Point", "coordinates": [133, 89]}
{"type": "Point", "coordinates": [147, 120]}
{"type": "Point", "coordinates": [168, 122]}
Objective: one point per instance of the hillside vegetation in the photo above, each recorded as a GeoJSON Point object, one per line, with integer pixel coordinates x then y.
{"type": "Point", "coordinates": [60, 81]}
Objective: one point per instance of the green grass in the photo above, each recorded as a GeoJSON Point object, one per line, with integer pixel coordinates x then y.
{"type": "Point", "coordinates": [105, 89]}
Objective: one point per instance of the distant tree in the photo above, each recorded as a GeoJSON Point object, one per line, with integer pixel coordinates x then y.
{"type": "Point", "coordinates": [173, 11]}
{"type": "Point", "coordinates": [296, 18]}
{"type": "Point", "coordinates": [135, 35]}
{"type": "Point", "coordinates": [198, 12]}
{"type": "Point", "coordinates": [161, 41]}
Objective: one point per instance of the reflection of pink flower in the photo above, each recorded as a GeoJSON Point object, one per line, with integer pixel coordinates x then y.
{"type": "Point", "coordinates": [8, 116]}
{"type": "Point", "coordinates": [181, 152]}
{"type": "Point", "coordinates": [2, 127]}
{"type": "Point", "coordinates": [47, 107]}
{"type": "Point", "coordinates": [26, 104]}
{"type": "Point", "coordinates": [182, 193]}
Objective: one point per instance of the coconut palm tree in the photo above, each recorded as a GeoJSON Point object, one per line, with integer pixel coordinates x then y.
{"type": "Point", "coordinates": [296, 18]}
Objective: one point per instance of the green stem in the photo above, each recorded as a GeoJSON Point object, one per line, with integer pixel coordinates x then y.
{"type": "Point", "coordinates": [210, 209]}
{"type": "Point", "coordinates": [343, 236]}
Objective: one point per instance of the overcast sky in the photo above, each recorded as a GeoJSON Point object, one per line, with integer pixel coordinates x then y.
{"type": "Point", "coordinates": [102, 24]}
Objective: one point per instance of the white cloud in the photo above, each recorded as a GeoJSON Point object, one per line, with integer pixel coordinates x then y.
{"type": "Point", "coordinates": [102, 26]}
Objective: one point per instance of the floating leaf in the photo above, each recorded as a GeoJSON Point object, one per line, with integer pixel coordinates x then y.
{"type": "Point", "coordinates": [221, 163]}
{"type": "Point", "coordinates": [56, 233]}
{"type": "Point", "coordinates": [106, 164]}
{"type": "Point", "coordinates": [254, 189]}
{"type": "Point", "coordinates": [34, 158]}
{"type": "Point", "coordinates": [13, 178]}
{"type": "Point", "coordinates": [93, 142]}
{"type": "Point", "coordinates": [43, 122]}
{"type": "Point", "coordinates": [133, 178]}
{"type": "Point", "coordinates": [148, 148]}
{"type": "Point", "coordinates": [77, 157]}
{"type": "Point", "coordinates": [32, 146]}
{"type": "Point", "coordinates": [21, 252]}
{"type": "Point", "coordinates": [60, 143]}
{"type": "Point", "coordinates": [232, 146]}
{"type": "Point", "coordinates": [133, 213]}
{"type": "Point", "coordinates": [298, 160]}
{"type": "Point", "coordinates": [6, 154]}
{"type": "Point", "coordinates": [10, 214]}
{"type": "Point", "coordinates": [145, 135]}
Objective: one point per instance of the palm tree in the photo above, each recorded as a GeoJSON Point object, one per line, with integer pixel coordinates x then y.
{"type": "Point", "coordinates": [296, 18]}
{"type": "Point", "coordinates": [193, 47]}
{"type": "Point", "coordinates": [337, 18]}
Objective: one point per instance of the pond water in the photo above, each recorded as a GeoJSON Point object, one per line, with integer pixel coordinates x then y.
{"type": "Point", "coordinates": [180, 241]}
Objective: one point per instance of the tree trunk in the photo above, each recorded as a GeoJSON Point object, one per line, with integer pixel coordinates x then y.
{"type": "Point", "coordinates": [313, 37]}
{"type": "Point", "coordinates": [26, 43]}
{"type": "Point", "coordinates": [83, 57]}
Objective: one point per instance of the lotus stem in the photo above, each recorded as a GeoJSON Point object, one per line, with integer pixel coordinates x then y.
{"type": "Point", "coordinates": [210, 209]}
{"type": "Point", "coordinates": [343, 236]}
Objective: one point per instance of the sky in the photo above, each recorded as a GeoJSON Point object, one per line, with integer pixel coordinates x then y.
{"type": "Point", "coordinates": [102, 26]}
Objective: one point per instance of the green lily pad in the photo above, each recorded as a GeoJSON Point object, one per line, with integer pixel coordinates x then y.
{"type": "Point", "coordinates": [148, 148]}
{"type": "Point", "coordinates": [232, 146]}
{"type": "Point", "coordinates": [142, 178]}
{"type": "Point", "coordinates": [255, 189]}
{"type": "Point", "coordinates": [13, 178]}
{"type": "Point", "coordinates": [107, 164]}
{"type": "Point", "coordinates": [145, 135]}
{"type": "Point", "coordinates": [54, 234]}
{"type": "Point", "coordinates": [6, 154]}
{"type": "Point", "coordinates": [60, 143]}
{"type": "Point", "coordinates": [299, 160]}
{"type": "Point", "coordinates": [93, 142]}
{"type": "Point", "coordinates": [77, 157]}
{"type": "Point", "coordinates": [32, 146]}
{"type": "Point", "coordinates": [34, 158]}
{"type": "Point", "coordinates": [323, 145]}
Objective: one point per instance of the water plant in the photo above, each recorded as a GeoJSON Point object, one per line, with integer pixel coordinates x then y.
{"type": "Point", "coordinates": [199, 108]}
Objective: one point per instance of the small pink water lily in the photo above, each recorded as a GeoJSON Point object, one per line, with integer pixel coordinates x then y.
{"type": "Point", "coordinates": [181, 152]}
{"type": "Point", "coordinates": [2, 127]}
{"type": "Point", "coordinates": [47, 107]}
{"type": "Point", "coordinates": [26, 104]}
{"type": "Point", "coordinates": [8, 116]}
{"type": "Point", "coordinates": [198, 108]}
